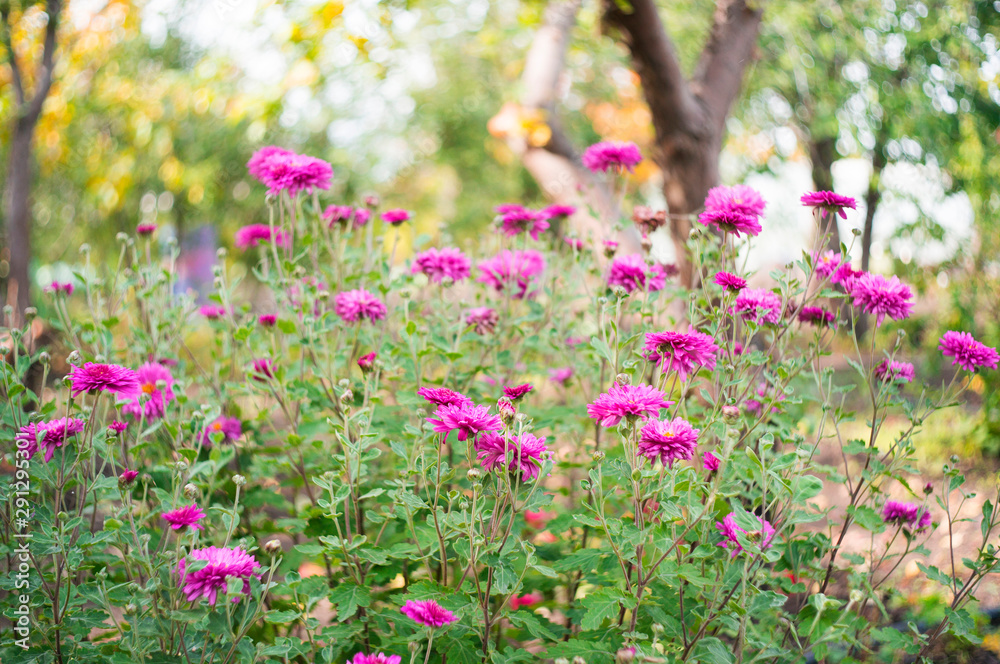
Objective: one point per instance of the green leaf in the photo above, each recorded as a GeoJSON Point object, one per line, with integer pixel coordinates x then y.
{"type": "Point", "coordinates": [961, 624]}
{"type": "Point", "coordinates": [602, 605]}
{"type": "Point", "coordinates": [805, 487]}
{"type": "Point", "coordinates": [713, 651]}
{"type": "Point", "coordinates": [347, 597]}
{"type": "Point", "coordinates": [593, 652]}
{"type": "Point", "coordinates": [281, 617]}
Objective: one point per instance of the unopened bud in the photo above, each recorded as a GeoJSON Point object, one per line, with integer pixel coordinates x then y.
{"type": "Point", "coordinates": [190, 491]}
{"type": "Point", "coordinates": [474, 474]}
{"type": "Point", "coordinates": [623, 379]}
{"type": "Point", "coordinates": [560, 660]}
{"type": "Point", "coordinates": [928, 489]}
{"type": "Point", "coordinates": [579, 660]}
{"type": "Point", "coordinates": [74, 357]}
{"type": "Point", "coordinates": [347, 396]}
{"type": "Point", "coordinates": [730, 414]}
{"type": "Point", "coordinates": [506, 409]}
{"type": "Point", "coordinates": [180, 466]}
{"type": "Point", "coordinates": [30, 313]}
{"type": "Point", "coordinates": [221, 252]}
{"type": "Point", "coordinates": [625, 656]}
{"type": "Point", "coordinates": [273, 547]}
{"type": "Point", "coordinates": [647, 242]}
{"type": "Point", "coordinates": [239, 480]}
{"type": "Point", "coordinates": [598, 456]}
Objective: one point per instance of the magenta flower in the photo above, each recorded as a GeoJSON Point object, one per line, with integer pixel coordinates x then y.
{"type": "Point", "coordinates": [730, 281]}
{"type": "Point", "coordinates": [817, 316]}
{"type": "Point", "coordinates": [967, 352]}
{"type": "Point", "coordinates": [441, 264]}
{"type": "Point", "coordinates": [710, 462]}
{"type": "Point", "coordinates": [230, 428]}
{"type": "Point", "coordinates": [734, 209]}
{"type": "Point", "coordinates": [442, 396]}
{"type": "Point", "coordinates": [515, 219]}
{"type": "Point", "coordinates": [882, 297]}
{"type": "Point", "coordinates": [845, 276]}
{"type": "Point", "coordinates": [895, 372]}
{"type": "Point", "coordinates": [49, 435]}
{"type": "Point", "coordinates": [57, 287]}
{"type": "Point", "coordinates": [573, 242]}
{"type": "Point", "coordinates": [267, 320]}
{"type": "Point", "coordinates": [828, 201]}
{"type": "Point", "coordinates": [905, 514]}
{"type": "Point", "coordinates": [610, 247]}
{"type": "Point", "coordinates": [258, 164]}
{"type": "Point", "coordinates": [573, 342]}
{"type": "Point", "coordinates": [683, 352]}
{"type": "Point", "coordinates": [428, 612]}
{"type": "Point", "coordinates": [619, 156]}
{"type": "Point", "coordinates": [345, 215]}
{"type": "Point", "coordinates": [668, 441]}
{"type": "Point", "coordinates": [376, 658]}
{"type": "Point", "coordinates": [633, 273]}
{"type": "Point", "coordinates": [396, 216]}
{"type": "Point", "coordinates": [517, 601]}
{"type": "Point", "coordinates": [827, 263]}
{"type": "Point", "coordinates": [127, 477]}
{"type": "Point", "coordinates": [282, 170]}
{"type": "Point", "coordinates": [145, 230]}
{"type": "Point", "coordinates": [263, 370]}
{"type": "Point", "coordinates": [117, 427]}
{"type": "Point", "coordinates": [558, 211]}
{"type": "Point", "coordinates": [729, 531]}
{"type": "Point", "coordinates": [483, 319]}
{"type": "Point", "coordinates": [255, 234]}
{"type": "Point", "coordinates": [157, 399]}
{"type": "Point", "coordinates": [514, 270]}
{"type": "Point", "coordinates": [517, 392]}
{"type": "Point", "coordinates": [359, 304]}
{"type": "Point", "coordinates": [466, 419]}
{"type": "Point", "coordinates": [522, 453]}
{"type": "Point", "coordinates": [758, 305]}
{"type": "Point", "coordinates": [628, 402]}
{"type": "Point", "coordinates": [185, 517]}
{"type": "Point", "coordinates": [767, 393]}
{"type": "Point", "coordinates": [213, 577]}
{"type": "Point", "coordinates": [91, 378]}
{"type": "Point", "coordinates": [367, 362]}
{"type": "Point", "coordinates": [561, 375]}
{"type": "Point", "coordinates": [212, 311]}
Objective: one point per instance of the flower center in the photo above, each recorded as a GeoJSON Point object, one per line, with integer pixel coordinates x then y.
{"type": "Point", "coordinates": [148, 388]}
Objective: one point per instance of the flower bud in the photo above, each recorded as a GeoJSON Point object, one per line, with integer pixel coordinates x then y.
{"type": "Point", "coordinates": [579, 660]}
{"type": "Point", "coordinates": [190, 491]}
{"type": "Point", "coordinates": [474, 474]}
{"type": "Point", "coordinates": [506, 409]}
{"type": "Point", "coordinates": [372, 201]}
{"type": "Point", "coordinates": [127, 479]}
{"type": "Point", "coordinates": [273, 547]}
{"type": "Point", "coordinates": [598, 456]}
{"type": "Point", "coordinates": [625, 655]}
{"type": "Point", "coordinates": [610, 247]}
{"type": "Point", "coordinates": [45, 358]}
{"type": "Point", "coordinates": [239, 480]}
{"type": "Point", "coordinates": [623, 379]}
{"type": "Point", "coordinates": [928, 489]}
{"type": "Point", "coordinates": [347, 396]}
{"type": "Point", "coordinates": [221, 252]}
{"type": "Point", "coordinates": [74, 357]}
{"type": "Point", "coordinates": [730, 414]}
{"type": "Point", "coordinates": [647, 242]}
{"type": "Point", "coordinates": [180, 466]}
{"type": "Point", "coordinates": [367, 362]}
{"type": "Point", "coordinates": [344, 382]}
{"type": "Point", "coordinates": [30, 313]}
{"type": "Point", "coordinates": [560, 660]}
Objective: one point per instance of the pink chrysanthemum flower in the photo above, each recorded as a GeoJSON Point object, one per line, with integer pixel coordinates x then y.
{"type": "Point", "coordinates": [522, 453]}
{"type": "Point", "coordinates": [442, 396]}
{"type": "Point", "coordinates": [627, 402]}
{"type": "Point", "coordinates": [729, 531]}
{"type": "Point", "coordinates": [117, 426]}
{"type": "Point", "coordinates": [558, 211]}
{"type": "Point", "coordinates": [710, 462]}
{"type": "Point", "coordinates": [683, 352]}
{"type": "Point", "coordinates": [845, 276]}
{"type": "Point", "coordinates": [230, 428]}
{"type": "Point", "coordinates": [258, 164]}
{"type": "Point", "coordinates": [668, 441]}
{"type": "Point", "coordinates": [367, 362]}
{"type": "Point", "coordinates": [765, 392]}
{"type": "Point", "coordinates": [294, 173]}
{"type": "Point", "coordinates": [359, 304]}
{"type": "Point", "coordinates": [263, 370]}
{"type": "Point", "coordinates": [758, 305]}
{"type": "Point", "coordinates": [730, 281]}
{"type": "Point", "coordinates": [515, 219]}
{"type": "Point", "coordinates": [516, 270]}
{"type": "Point", "coordinates": [185, 517]}
{"type": "Point", "coordinates": [267, 320]}
{"type": "Point", "coordinates": [612, 155]}
{"type": "Point", "coordinates": [396, 216]}
{"type": "Point", "coordinates": [466, 419]}
{"type": "Point", "coordinates": [441, 264]}
{"type": "Point", "coordinates": [895, 372]}
{"type": "Point", "coordinates": [376, 658]}
{"type": "Point", "coordinates": [91, 378]}
{"type": "Point", "coordinates": [967, 352]}
{"type": "Point", "coordinates": [428, 612]}
{"type": "Point", "coordinates": [561, 375]}
{"type": "Point", "coordinates": [59, 287]}
{"type": "Point", "coordinates": [734, 209]}
{"type": "Point", "coordinates": [255, 234]}
{"type": "Point", "coordinates": [212, 311]}
{"type": "Point", "coordinates": [882, 297]}
{"type": "Point", "coordinates": [828, 201]}
{"type": "Point", "coordinates": [517, 601]}
{"type": "Point", "coordinates": [610, 247]}
{"type": "Point", "coordinates": [573, 242]}
{"type": "Point", "coordinates": [213, 578]}
{"type": "Point", "coordinates": [517, 392]}
{"type": "Point", "coordinates": [345, 215]}
{"type": "Point", "coordinates": [157, 399]}
{"type": "Point", "coordinates": [817, 316]}
{"type": "Point", "coordinates": [905, 514]}
{"type": "Point", "coordinates": [145, 230]}
{"type": "Point", "coordinates": [648, 220]}
{"type": "Point", "coordinates": [483, 319]}
{"type": "Point", "coordinates": [49, 435]}
{"type": "Point", "coordinates": [827, 263]}
{"type": "Point", "coordinates": [127, 477]}
{"type": "Point", "coordinates": [633, 273]}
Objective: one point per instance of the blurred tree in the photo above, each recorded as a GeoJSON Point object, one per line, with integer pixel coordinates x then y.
{"type": "Point", "coordinates": [31, 86]}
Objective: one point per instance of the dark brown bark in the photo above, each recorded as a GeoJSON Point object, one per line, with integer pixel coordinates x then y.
{"type": "Point", "coordinates": [822, 154]}
{"type": "Point", "coordinates": [20, 176]}
{"type": "Point", "coordinates": [688, 117]}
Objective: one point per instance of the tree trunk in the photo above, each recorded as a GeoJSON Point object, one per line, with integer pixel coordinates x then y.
{"type": "Point", "coordinates": [872, 198]}
{"type": "Point", "coordinates": [17, 210]}
{"type": "Point", "coordinates": [822, 152]}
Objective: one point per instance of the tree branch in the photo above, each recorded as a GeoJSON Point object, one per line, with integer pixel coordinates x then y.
{"type": "Point", "coordinates": [673, 106]}
{"type": "Point", "coordinates": [729, 50]}
{"type": "Point", "coordinates": [46, 66]}
{"type": "Point", "coordinates": [12, 56]}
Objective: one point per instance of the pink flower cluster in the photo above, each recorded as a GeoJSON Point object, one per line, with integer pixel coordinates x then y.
{"type": "Point", "coordinates": [633, 273]}
{"type": "Point", "coordinates": [906, 514]}
{"type": "Point", "coordinates": [283, 170]}
{"type": "Point", "coordinates": [357, 305]}
{"type": "Point", "coordinates": [683, 352]}
{"type": "Point", "coordinates": [512, 271]}
{"type": "Point", "coordinates": [516, 219]}
{"type": "Point", "coordinates": [221, 565]}
{"type": "Point", "coordinates": [618, 156]}
{"type": "Point", "coordinates": [255, 234]}
{"type": "Point", "coordinates": [730, 532]}
{"type": "Point", "coordinates": [523, 453]}
{"type": "Point", "coordinates": [441, 264]}
{"type": "Point", "coordinates": [48, 436]}
{"type": "Point", "coordinates": [734, 210]}
{"type": "Point", "coordinates": [345, 215]}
